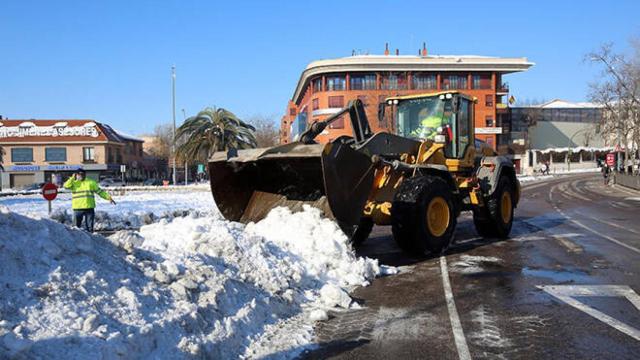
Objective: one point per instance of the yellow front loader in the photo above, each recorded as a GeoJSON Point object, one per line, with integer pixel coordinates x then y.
{"type": "Point", "coordinates": [416, 180]}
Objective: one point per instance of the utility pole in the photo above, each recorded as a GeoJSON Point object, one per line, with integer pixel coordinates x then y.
{"type": "Point", "coordinates": [173, 143]}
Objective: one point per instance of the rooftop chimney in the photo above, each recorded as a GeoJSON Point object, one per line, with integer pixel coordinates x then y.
{"type": "Point", "coordinates": [386, 48]}
{"type": "Point", "coordinates": [397, 52]}
{"type": "Point", "coordinates": [424, 49]}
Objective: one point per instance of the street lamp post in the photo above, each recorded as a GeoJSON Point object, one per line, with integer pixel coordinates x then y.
{"type": "Point", "coordinates": [173, 105]}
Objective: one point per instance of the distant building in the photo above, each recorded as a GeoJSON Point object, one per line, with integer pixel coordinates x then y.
{"type": "Point", "coordinates": [325, 86]}
{"type": "Point", "coordinates": [557, 132]}
{"type": "Point", "coordinates": [50, 150]}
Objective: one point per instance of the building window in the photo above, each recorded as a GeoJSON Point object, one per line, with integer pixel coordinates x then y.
{"type": "Point", "coordinates": [315, 104]}
{"type": "Point", "coordinates": [57, 154]}
{"type": "Point", "coordinates": [317, 85]}
{"type": "Point", "coordinates": [292, 112]}
{"type": "Point", "coordinates": [394, 81]}
{"type": "Point", "coordinates": [488, 100]}
{"type": "Point", "coordinates": [336, 83]}
{"type": "Point", "coordinates": [363, 98]}
{"type": "Point", "coordinates": [488, 120]}
{"type": "Point", "coordinates": [336, 101]}
{"type": "Point", "coordinates": [20, 155]}
{"type": "Point", "coordinates": [338, 123]}
{"type": "Point", "coordinates": [423, 81]}
{"type": "Point", "coordinates": [363, 82]}
{"type": "Point", "coordinates": [481, 81]}
{"type": "Point", "coordinates": [88, 154]}
{"type": "Point", "coordinates": [453, 82]}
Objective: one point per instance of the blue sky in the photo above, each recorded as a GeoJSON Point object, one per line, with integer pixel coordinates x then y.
{"type": "Point", "coordinates": [111, 60]}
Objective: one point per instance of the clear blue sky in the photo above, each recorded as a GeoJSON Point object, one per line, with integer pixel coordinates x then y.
{"type": "Point", "coordinates": [111, 60]}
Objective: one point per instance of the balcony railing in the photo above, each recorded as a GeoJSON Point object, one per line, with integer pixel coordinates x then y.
{"type": "Point", "coordinates": [503, 88]}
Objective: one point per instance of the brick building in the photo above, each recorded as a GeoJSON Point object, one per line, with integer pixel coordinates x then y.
{"type": "Point", "coordinates": [325, 86]}
{"type": "Point", "coordinates": [50, 150]}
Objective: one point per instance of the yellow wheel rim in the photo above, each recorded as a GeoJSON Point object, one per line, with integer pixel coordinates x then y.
{"type": "Point", "coordinates": [438, 216]}
{"type": "Point", "coordinates": [505, 207]}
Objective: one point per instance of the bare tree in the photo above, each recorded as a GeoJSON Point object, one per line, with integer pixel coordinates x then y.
{"type": "Point", "coordinates": [267, 132]}
{"type": "Point", "coordinates": [617, 91]}
{"type": "Point", "coordinates": [162, 139]}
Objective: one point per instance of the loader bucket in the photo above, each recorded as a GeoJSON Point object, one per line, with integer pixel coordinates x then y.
{"type": "Point", "coordinates": [334, 178]}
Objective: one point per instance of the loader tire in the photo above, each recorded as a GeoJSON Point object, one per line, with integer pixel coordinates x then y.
{"type": "Point", "coordinates": [496, 220]}
{"type": "Point", "coordinates": [423, 215]}
{"type": "Point", "coordinates": [362, 231]}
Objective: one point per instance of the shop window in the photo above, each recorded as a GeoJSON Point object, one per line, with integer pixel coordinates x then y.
{"type": "Point", "coordinates": [88, 154]}
{"type": "Point", "coordinates": [336, 83]}
{"type": "Point", "coordinates": [336, 101]}
{"type": "Point", "coordinates": [362, 82]}
{"type": "Point", "coordinates": [423, 81]}
{"type": "Point", "coordinates": [315, 104]}
{"type": "Point", "coordinates": [57, 154]}
{"type": "Point", "coordinates": [20, 155]}
{"type": "Point", "coordinates": [488, 100]}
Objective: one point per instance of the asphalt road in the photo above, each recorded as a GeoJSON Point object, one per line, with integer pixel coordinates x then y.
{"type": "Point", "coordinates": [564, 286]}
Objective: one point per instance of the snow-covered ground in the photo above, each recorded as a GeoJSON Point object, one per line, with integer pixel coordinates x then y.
{"type": "Point", "coordinates": [133, 209]}
{"type": "Point", "coordinates": [181, 287]}
{"type": "Point", "coordinates": [529, 178]}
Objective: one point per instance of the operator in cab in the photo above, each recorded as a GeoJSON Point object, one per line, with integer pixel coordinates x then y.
{"type": "Point", "coordinates": [83, 201]}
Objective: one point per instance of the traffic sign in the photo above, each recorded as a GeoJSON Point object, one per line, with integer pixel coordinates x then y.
{"type": "Point", "coordinates": [49, 191]}
{"type": "Point", "coordinates": [611, 159]}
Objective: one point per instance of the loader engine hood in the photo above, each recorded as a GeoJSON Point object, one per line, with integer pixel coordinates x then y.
{"type": "Point", "coordinates": [334, 178]}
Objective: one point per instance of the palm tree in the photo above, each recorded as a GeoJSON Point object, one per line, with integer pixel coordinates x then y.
{"type": "Point", "coordinates": [213, 129]}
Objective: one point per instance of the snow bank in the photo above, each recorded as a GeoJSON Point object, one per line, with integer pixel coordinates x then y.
{"type": "Point", "coordinates": [132, 211]}
{"type": "Point", "coordinates": [190, 287]}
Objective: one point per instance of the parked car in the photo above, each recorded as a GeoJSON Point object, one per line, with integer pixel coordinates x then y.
{"type": "Point", "coordinates": [34, 186]}
{"type": "Point", "coordinates": [152, 182]}
{"type": "Point", "coordinates": [109, 182]}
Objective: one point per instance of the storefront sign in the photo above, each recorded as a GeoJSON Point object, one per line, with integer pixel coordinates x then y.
{"type": "Point", "coordinates": [89, 129]}
{"type": "Point", "coordinates": [488, 130]}
{"type": "Point", "coordinates": [23, 168]}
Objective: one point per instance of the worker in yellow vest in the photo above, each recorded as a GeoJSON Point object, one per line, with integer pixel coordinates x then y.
{"type": "Point", "coordinates": [83, 202]}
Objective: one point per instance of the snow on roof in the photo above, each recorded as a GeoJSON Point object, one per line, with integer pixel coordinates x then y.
{"type": "Point", "coordinates": [127, 136]}
{"type": "Point", "coordinates": [563, 104]}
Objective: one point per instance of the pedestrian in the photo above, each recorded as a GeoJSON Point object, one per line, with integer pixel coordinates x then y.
{"type": "Point", "coordinates": [545, 171]}
{"type": "Point", "coordinates": [605, 174]}
{"type": "Point", "coordinates": [83, 202]}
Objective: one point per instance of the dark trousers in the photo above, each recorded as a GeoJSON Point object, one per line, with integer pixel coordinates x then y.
{"type": "Point", "coordinates": [88, 215]}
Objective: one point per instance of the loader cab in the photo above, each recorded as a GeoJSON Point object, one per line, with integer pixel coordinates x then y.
{"type": "Point", "coordinates": [443, 118]}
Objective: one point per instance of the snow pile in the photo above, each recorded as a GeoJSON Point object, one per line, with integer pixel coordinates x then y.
{"type": "Point", "coordinates": [202, 287]}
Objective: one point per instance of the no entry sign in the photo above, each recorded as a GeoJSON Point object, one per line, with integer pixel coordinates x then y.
{"type": "Point", "coordinates": [49, 191]}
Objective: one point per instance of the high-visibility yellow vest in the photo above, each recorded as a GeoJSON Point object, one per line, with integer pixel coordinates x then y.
{"type": "Point", "coordinates": [82, 193]}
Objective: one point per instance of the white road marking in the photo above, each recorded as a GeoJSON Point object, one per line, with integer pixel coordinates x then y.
{"type": "Point", "coordinates": [458, 333]}
{"type": "Point", "coordinates": [567, 293]}
{"type": "Point", "coordinates": [570, 245]}
{"type": "Point", "coordinates": [588, 228]}
{"type": "Point", "coordinates": [611, 224]}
